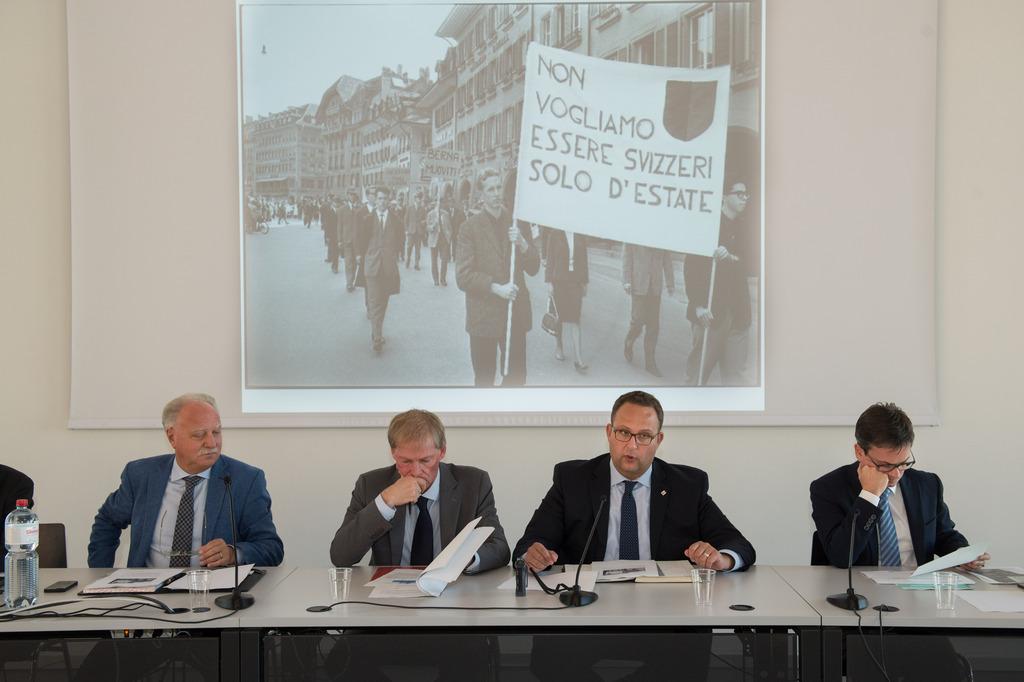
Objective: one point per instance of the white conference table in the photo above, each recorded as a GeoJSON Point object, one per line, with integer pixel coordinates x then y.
{"type": "Point", "coordinates": [916, 607]}
{"type": "Point", "coordinates": [989, 641]}
{"type": "Point", "coordinates": [144, 618]}
{"type": "Point", "coordinates": [618, 604]}
{"type": "Point", "coordinates": [786, 598]}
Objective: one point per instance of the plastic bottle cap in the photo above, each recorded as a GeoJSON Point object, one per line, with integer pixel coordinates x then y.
{"type": "Point", "coordinates": [21, 503]}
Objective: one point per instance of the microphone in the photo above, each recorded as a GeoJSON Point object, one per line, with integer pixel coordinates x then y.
{"type": "Point", "coordinates": [850, 600]}
{"type": "Point", "coordinates": [574, 596]}
{"type": "Point", "coordinates": [236, 601]}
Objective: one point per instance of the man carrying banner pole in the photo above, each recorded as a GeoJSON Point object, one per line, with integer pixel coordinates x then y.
{"type": "Point", "coordinates": [492, 259]}
{"type": "Point", "coordinates": [721, 328]}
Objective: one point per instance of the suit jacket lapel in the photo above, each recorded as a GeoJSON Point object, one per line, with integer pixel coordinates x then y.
{"type": "Point", "coordinates": [912, 504]}
{"type": "Point", "coordinates": [397, 534]}
{"type": "Point", "coordinates": [155, 486]}
{"type": "Point", "coordinates": [216, 502]}
{"type": "Point", "coordinates": [659, 504]}
{"type": "Point", "coordinates": [450, 501]}
{"type": "Point", "coordinates": [600, 486]}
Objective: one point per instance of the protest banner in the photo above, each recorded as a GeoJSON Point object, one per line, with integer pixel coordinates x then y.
{"type": "Point", "coordinates": [623, 151]}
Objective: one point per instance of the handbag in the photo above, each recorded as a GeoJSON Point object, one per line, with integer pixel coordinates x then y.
{"type": "Point", "coordinates": [550, 322]}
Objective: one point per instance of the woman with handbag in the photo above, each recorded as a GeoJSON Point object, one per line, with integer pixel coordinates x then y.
{"type": "Point", "coordinates": [567, 273]}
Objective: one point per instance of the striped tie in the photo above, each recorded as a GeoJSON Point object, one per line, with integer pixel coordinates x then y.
{"type": "Point", "coordinates": [888, 545]}
{"type": "Point", "coordinates": [629, 541]}
{"type": "Point", "coordinates": [181, 545]}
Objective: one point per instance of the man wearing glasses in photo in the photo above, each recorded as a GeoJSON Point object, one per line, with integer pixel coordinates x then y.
{"type": "Point", "coordinates": [726, 324]}
{"type": "Point", "coordinates": [177, 505]}
{"type": "Point", "coordinates": [903, 522]}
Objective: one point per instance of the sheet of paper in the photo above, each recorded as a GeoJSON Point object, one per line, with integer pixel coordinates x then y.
{"type": "Point", "coordinates": [909, 578]}
{"type": "Point", "coordinates": [619, 571]}
{"type": "Point", "coordinates": [397, 576]}
{"type": "Point", "coordinates": [954, 558]}
{"type": "Point", "coordinates": [397, 584]}
{"type": "Point", "coordinates": [132, 580]}
{"type": "Point", "coordinates": [671, 572]}
{"type": "Point", "coordinates": [220, 578]}
{"type": "Point", "coordinates": [554, 577]}
{"type": "Point", "coordinates": [996, 575]}
{"type": "Point", "coordinates": [453, 559]}
{"type": "Point", "coordinates": [1010, 600]}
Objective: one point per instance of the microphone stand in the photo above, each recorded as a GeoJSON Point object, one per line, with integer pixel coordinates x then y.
{"type": "Point", "coordinates": [574, 596]}
{"type": "Point", "coordinates": [850, 600]}
{"type": "Point", "coordinates": [237, 600]}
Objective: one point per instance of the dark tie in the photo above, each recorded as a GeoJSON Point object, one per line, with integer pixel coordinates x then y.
{"type": "Point", "coordinates": [629, 539]}
{"type": "Point", "coordinates": [181, 546]}
{"type": "Point", "coordinates": [888, 544]}
{"type": "Point", "coordinates": [422, 536]}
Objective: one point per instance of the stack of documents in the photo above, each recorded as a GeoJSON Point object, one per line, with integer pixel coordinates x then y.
{"type": "Point", "coordinates": [442, 571]}
{"type": "Point", "coordinates": [150, 580]}
{"type": "Point", "coordinates": [908, 581]}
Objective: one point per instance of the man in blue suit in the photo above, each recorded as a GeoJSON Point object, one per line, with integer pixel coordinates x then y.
{"type": "Point", "coordinates": [177, 506]}
{"type": "Point", "coordinates": [903, 520]}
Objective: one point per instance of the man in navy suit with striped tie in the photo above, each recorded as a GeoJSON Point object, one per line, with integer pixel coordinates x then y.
{"type": "Point", "coordinates": [176, 504]}
{"type": "Point", "coordinates": [903, 521]}
{"type": "Point", "coordinates": [655, 510]}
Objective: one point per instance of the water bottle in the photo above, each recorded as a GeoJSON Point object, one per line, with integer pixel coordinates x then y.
{"type": "Point", "coordinates": [21, 566]}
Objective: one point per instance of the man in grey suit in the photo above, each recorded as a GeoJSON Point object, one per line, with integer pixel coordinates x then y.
{"type": "Point", "coordinates": [645, 271]}
{"type": "Point", "coordinates": [407, 513]}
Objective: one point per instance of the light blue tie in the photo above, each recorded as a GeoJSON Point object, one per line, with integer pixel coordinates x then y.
{"type": "Point", "coordinates": [888, 545]}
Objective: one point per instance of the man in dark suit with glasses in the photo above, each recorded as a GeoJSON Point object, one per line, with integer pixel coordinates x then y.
{"type": "Point", "coordinates": [904, 520]}
{"type": "Point", "coordinates": [655, 510]}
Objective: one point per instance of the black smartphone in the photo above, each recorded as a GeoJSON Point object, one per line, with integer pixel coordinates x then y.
{"type": "Point", "coordinates": [60, 586]}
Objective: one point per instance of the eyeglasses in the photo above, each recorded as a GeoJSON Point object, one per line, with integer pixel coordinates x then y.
{"type": "Point", "coordinates": [885, 467]}
{"type": "Point", "coordinates": [624, 435]}
{"type": "Point", "coordinates": [741, 195]}
{"type": "Point", "coordinates": [160, 533]}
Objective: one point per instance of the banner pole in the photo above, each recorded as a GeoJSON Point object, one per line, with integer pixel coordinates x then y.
{"type": "Point", "coordinates": [704, 343]}
{"type": "Point", "coordinates": [508, 315]}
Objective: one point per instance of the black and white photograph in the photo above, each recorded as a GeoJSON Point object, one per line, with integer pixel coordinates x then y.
{"type": "Point", "coordinates": [443, 198]}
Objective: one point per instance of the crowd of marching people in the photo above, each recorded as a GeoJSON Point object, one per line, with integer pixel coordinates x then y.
{"type": "Point", "coordinates": [373, 235]}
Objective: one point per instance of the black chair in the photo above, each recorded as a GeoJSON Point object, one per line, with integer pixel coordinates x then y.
{"type": "Point", "coordinates": [818, 555]}
{"type": "Point", "coordinates": [53, 551]}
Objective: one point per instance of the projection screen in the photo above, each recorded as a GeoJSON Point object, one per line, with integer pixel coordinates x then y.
{"type": "Point", "coordinates": [213, 185]}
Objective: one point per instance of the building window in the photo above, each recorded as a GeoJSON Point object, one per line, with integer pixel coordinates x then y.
{"type": "Point", "coordinates": [642, 51]}
{"type": "Point", "coordinates": [672, 44]}
{"type": "Point", "coordinates": [620, 55]}
{"type": "Point", "coordinates": [742, 30]}
{"type": "Point", "coordinates": [702, 39]}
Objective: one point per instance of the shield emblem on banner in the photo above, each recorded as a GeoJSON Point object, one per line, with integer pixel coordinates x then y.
{"type": "Point", "coordinates": [689, 108]}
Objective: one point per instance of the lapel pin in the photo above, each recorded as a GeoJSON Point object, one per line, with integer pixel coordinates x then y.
{"type": "Point", "coordinates": [664, 492]}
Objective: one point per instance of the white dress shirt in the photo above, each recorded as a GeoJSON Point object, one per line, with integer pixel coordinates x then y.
{"type": "Point", "coordinates": [642, 497]}
{"type": "Point", "coordinates": [167, 519]}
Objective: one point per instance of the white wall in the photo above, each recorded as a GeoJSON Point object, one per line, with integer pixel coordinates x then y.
{"type": "Point", "coordinates": [759, 475]}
